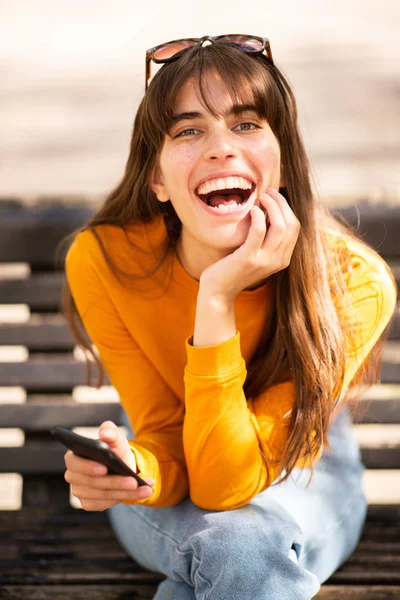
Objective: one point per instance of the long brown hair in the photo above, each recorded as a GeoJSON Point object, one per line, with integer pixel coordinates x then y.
{"type": "Point", "coordinates": [304, 338]}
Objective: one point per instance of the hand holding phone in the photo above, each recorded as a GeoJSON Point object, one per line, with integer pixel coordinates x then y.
{"type": "Point", "coordinates": [94, 450]}
{"type": "Point", "coordinates": [117, 481]}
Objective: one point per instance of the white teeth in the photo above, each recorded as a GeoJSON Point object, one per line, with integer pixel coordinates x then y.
{"type": "Point", "coordinates": [224, 183]}
{"type": "Point", "coordinates": [226, 207]}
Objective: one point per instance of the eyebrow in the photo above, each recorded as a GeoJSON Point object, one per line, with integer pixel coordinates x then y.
{"type": "Point", "coordinates": [236, 109]}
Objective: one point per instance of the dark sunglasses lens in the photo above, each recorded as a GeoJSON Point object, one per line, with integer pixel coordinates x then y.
{"type": "Point", "coordinates": [168, 50]}
{"type": "Point", "coordinates": [250, 44]}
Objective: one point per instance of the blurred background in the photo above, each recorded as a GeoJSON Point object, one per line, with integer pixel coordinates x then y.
{"type": "Point", "coordinates": [72, 76]}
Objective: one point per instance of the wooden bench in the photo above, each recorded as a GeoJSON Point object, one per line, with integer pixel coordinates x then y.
{"type": "Point", "coordinates": [49, 549]}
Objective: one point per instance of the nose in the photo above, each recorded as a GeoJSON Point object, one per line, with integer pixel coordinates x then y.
{"type": "Point", "coordinates": [220, 146]}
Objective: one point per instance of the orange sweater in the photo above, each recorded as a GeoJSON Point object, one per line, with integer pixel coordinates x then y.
{"type": "Point", "coordinates": [195, 433]}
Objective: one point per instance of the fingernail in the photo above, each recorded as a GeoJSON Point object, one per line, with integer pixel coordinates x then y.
{"type": "Point", "coordinates": [150, 481]}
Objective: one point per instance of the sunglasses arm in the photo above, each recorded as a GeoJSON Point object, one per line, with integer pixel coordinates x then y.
{"type": "Point", "coordinates": [148, 71]}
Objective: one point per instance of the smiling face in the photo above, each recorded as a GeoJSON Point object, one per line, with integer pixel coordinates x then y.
{"type": "Point", "coordinates": [203, 154]}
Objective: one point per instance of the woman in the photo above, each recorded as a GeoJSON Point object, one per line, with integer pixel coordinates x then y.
{"type": "Point", "coordinates": [237, 321]}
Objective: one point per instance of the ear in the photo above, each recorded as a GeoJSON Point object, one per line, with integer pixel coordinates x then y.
{"type": "Point", "coordinates": [157, 185]}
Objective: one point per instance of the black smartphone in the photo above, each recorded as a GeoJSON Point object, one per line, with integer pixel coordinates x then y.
{"type": "Point", "coordinates": [96, 450]}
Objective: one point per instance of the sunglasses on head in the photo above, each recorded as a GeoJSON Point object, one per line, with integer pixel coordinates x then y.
{"type": "Point", "coordinates": [164, 53]}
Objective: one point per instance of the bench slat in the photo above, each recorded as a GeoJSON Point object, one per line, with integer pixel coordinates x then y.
{"type": "Point", "coordinates": [377, 224]}
{"type": "Point", "coordinates": [147, 592]}
{"type": "Point", "coordinates": [92, 543]}
{"type": "Point", "coordinates": [48, 331]}
{"type": "Point", "coordinates": [42, 413]}
{"type": "Point", "coordinates": [379, 410]}
{"type": "Point", "coordinates": [381, 458]}
{"type": "Point", "coordinates": [359, 592]}
{"type": "Point", "coordinates": [390, 372]}
{"type": "Point", "coordinates": [50, 373]}
{"type": "Point", "coordinates": [21, 226]}
{"type": "Point", "coordinates": [133, 591]}
{"type": "Point", "coordinates": [28, 459]}
{"type": "Point", "coordinates": [40, 292]}
{"type": "Point", "coordinates": [67, 542]}
{"type": "Point", "coordinates": [60, 372]}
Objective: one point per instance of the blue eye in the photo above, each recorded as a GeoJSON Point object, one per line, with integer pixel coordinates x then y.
{"type": "Point", "coordinates": [190, 130]}
{"type": "Point", "coordinates": [181, 134]}
{"type": "Point", "coordinates": [249, 123]}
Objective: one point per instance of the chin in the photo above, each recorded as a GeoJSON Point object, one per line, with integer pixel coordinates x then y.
{"type": "Point", "coordinates": [229, 238]}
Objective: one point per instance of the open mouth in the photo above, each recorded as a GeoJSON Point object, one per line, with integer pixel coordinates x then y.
{"type": "Point", "coordinates": [225, 196]}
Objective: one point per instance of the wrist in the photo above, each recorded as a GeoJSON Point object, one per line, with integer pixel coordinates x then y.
{"type": "Point", "coordinates": [215, 319]}
{"type": "Point", "coordinates": [223, 301]}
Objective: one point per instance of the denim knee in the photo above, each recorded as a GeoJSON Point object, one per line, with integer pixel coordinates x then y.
{"type": "Point", "coordinates": [246, 553]}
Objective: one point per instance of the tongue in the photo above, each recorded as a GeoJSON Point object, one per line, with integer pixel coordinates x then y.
{"type": "Point", "coordinates": [217, 199]}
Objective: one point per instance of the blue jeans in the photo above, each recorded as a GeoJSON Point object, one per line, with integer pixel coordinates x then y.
{"type": "Point", "coordinates": [282, 545]}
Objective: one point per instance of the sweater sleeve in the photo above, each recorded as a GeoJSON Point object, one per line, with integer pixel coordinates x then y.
{"type": "Point", "coordinates": [155, 413]}
{"type": "Point", "coordinates": [373, 294]}
{"type": "Point", "coordinates": [225, 436]}
{"type": "Point", "coordinates": [220, 434]}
